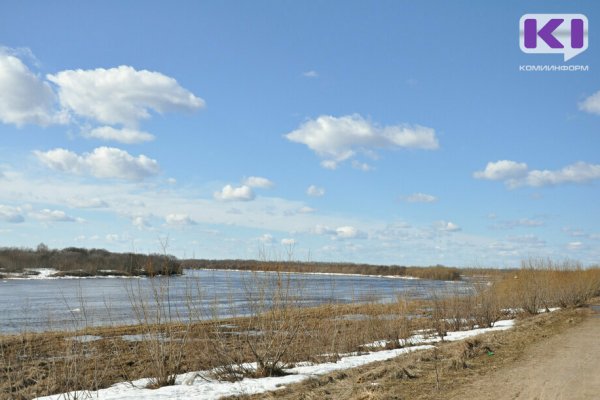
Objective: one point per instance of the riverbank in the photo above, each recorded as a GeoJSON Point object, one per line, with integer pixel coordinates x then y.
{"type": "Point", "coordinates": [277, 334]}
{"type": "Point", "coordinates": [548, 356]}
{"type": "Point", "coordinates": [436, 272]}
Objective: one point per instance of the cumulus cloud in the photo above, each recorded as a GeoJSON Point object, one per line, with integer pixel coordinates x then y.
{"type": "Point", "coordinates": [336, 139]}
{"type": "Point", "coordinates": [288, 242]}
{"type": "Point", "coordinates": [266, 238]}
{"type": "Point", "coordinates": [25, 98]}
{"type": "Point", "coordinates": [47, 215]}
{"type": "Point", "coordinates": [123, 135]}
{"type": "Point", "coordinates": [502, 170]}
{"type": "Point", "coordinates": [117, 99]}
{"type": "Point", "coordinates": [140, 222]}
{"type": "Point", "coordinates": [447, 226]}
{"type": "Point", "coordinates": [515, 174]}
{"type": "Point", "coordinates": [591, 104]}
{"type": "Point", "coordinates": [342, 232]}
{"type": "Point", "coordinates": [230, 193]}
{"type": "Point", "coordinates": [306, 210]}
{"type": "Point", "coordinates": [579, 172]}
{"type": "Point", "coordinates": [258, 182]}
{"type": "Point", "coordinates": [419, 198]}
{"type": "Point", "coordinates": [348, 232]}
{"type": "Point", "coordinates": [102, 162]}
{"type": "Point", "coordinates": [10, 214]}
{"type": "Point", "coordinates": [315, 191]}
{"type": "Point", "coordinates": [179, 220]}
{"type": "Point", "coordinates": [121, 95]}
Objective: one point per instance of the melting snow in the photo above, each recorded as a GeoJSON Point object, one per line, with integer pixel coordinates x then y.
{"type": "Point", "coordinates": [195, 385]}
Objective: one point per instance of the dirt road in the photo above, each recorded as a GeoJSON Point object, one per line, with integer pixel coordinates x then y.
{"type": "Point", "coordinates": [565, 366]}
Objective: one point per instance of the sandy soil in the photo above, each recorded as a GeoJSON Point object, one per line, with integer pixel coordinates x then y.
{"type": "Point", "coordinates": [565, 366]}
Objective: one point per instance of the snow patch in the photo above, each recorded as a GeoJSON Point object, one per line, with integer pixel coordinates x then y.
{"type": "Point", "coordinates": [197, 385]}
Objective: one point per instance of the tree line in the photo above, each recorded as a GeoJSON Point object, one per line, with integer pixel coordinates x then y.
{"type": "Point", "coordinates": [438, 272]}
{"type": "Point", "coordinates": [75, 261]}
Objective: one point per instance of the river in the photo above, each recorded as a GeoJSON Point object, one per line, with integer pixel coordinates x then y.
{"type": "Point", "coordinates": [34, 305]}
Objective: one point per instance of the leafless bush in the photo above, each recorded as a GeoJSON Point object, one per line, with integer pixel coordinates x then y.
{"type": "Point", "coordinates": [165, 332]}
{"type": "Point", "coordinates": [544, 283]}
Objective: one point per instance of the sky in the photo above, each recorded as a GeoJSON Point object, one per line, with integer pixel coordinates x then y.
{"type": "Point", "coordinates": [387, 132]}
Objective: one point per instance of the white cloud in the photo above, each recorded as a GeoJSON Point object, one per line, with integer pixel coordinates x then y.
{"type": "Point", "coordinates": [123, 135]}
{"type": "Point", "coordinates": [121, 95]}
{"type": "Point", "coordinates": [258, 182]}
{"type": "Point", "coordinates": [288, 242]}
{"type": "Point", "coordinates": [362, 166]}
{"type": "Point", "coordinates": [447, 226]}
{"type": "Point", "coordinates": [348, 232]}
{"type": "Point", "coordinates": [579, 172]}
{"type": "Point", "coordinates": [116, 96]}
{"type": "Point", "coordinates": [311, 74]}
{"type": "Point", "coordinates": [315, 191]}
{"type": "Point", "coordinates": [339, 138]}
{"type": "Point", "coordinates": [591, 104]}
{"type": "Point", "coordinates": [502, 170]}
{"type": "Point", "coordinates": [420, 198]}
{"type": "Point", "coordinates": [24, 97]}
{"type": "Point", "coordinates": [47, 215]}
{"type": "Point", "coordinates": [81, 202]}
{"type": "Point", "coordinates": [517, 174]}
{"type": "Point", "coordinates": [266, 238]}
{"type": "Point", "coordinates": [141, 222]}
{"type": "Point", "coordinates": [323, 230]}
{"type": "Point", "coordinates": [342, 232]}
{"type": "Point", "coordinates": [11, 214]}
{"type": "Point", "coordinates": [113, 237]}
{"type": "Point", "coordinates": [306, 210]}
{"type": "Point", "coordinates": [329, 164]}
{"type": "Point", "coordinates": [179, 220]}
{"type": "Point", "coordinates": [102, 162]}
{"type": "Point", "coordinates": [230, 193]}
{"type": "Point", "coordinates": [574, 245]}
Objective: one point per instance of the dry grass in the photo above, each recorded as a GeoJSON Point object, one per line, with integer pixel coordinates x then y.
{"type": "Point", "coordinates": [278, 333]}
{"type": "Point", "coordinates": [431, 374]}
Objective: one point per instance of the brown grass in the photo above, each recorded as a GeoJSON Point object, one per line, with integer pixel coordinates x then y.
{"type": "Point", "coordinates": [277, 333]}
{"type": "Point", "coordinates": [431, 374]}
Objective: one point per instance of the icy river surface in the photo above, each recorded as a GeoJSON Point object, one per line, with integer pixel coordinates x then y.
{"type": "Point", "coordinates": [64, 304]}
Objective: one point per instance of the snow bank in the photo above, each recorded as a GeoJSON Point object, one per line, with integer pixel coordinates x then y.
{"type": "Point", "coordinates": [195, 386]}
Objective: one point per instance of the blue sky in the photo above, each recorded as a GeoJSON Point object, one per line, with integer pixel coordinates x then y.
{"type": "Point", "coordinates": [389, 132]}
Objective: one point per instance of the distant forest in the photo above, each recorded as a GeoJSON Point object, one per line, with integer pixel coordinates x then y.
{"type": "Point", "coordinates": [438, 272]}
{"type": "Point", "coordinates": [74, 261]}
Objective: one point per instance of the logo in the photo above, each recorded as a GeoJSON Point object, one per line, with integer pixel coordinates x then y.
{"type": "Point", "coordinates": [565, 34]}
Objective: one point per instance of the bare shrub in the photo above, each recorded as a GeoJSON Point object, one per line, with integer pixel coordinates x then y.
{"type": "Point", "coordinates": [266, 334]}
{"type": "Point", "coordinates": [544, 283]}
{"type": "Point", "coordinates": [439, 314]}
{"type": "Point", "coordinates": [165, 332]}
{"type": "Point", "coordinates": [460, 310]}
{"type": "Point", "coordinates": [487, 305]}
